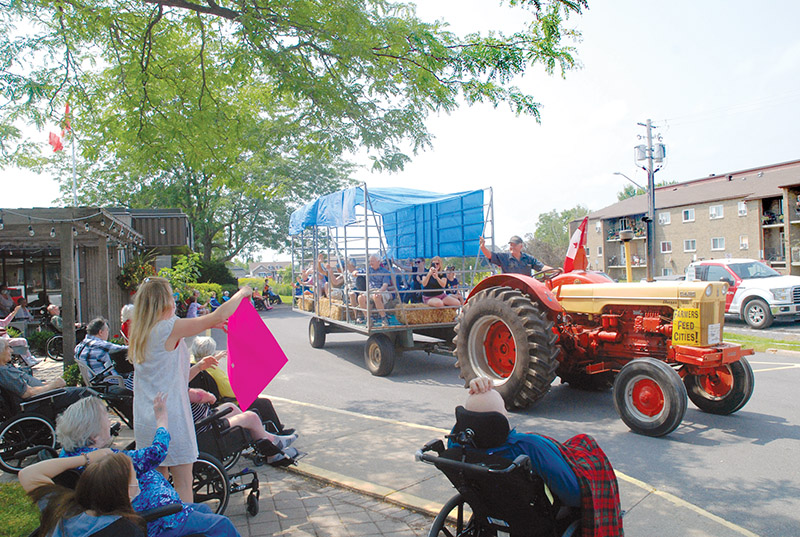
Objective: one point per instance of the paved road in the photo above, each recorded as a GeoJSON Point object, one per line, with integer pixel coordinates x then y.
{"type": "Point", "coordinates": [741, 468]}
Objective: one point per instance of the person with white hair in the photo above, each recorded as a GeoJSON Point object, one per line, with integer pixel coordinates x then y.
{"type": "Point", "coordinates": [125, 317]}
{"type": "Point", "coordinates": [84, 428]}
{"type": "Point", "coordinates": [249, 420]}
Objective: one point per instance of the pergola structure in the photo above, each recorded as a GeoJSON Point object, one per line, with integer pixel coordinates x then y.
{"type": "Point", "coordinates": [92, 245]}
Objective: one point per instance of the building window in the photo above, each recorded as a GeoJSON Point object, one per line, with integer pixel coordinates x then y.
{"type": "Point", "coordinates": [666, 271]}
{"type": "Point", "coordinates": [624, 223]}
{"type": "Point", "coordinates": [663, 218]}
{"type": "Point", "coordinates": [742, 208]}
{"type": "Point", "coordinates": [666, 247]}
{"type": "Point", "coordinates": [599, 250]}
{"type": "Point", "coordinates": [718, 243]}
{"type": "Point", "coordinates": [743, 242]}
{"type": "Point", "coordinates": [598, 226]}
{"type": "Point", "coordinates": [715, 212]}
{"type": "Point", "coordinates": [688, 215]}
{"type": "Point", "coordinates": [689, 245]}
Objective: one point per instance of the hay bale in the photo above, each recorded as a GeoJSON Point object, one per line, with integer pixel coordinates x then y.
{"type": "Point", "coordinates": [332, 309]}
{"type": "Point", "coordinates": [305, 302]}
{"type": "Point", "coordinates": [424, 314]}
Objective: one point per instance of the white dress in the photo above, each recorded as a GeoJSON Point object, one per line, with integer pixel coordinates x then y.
{"type": "Point", "coordinates": [167, 372]}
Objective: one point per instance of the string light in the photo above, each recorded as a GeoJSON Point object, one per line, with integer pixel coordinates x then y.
{"type": "Point", "coordinates": [53, 232]}
{"type": "Point", "coordinates": [31, 232]}
{"type": "Point", "coordinates": [86, 227]}
{"type": "Point", "coordinates": [74, 231]}
{"type": "Point", "coordinates": [1, 219]}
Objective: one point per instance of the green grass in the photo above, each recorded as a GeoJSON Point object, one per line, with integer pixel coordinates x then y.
{"type": "Point", "coordinates": [760, 344]}
{"type": "Point", "coordinates": [18, 516]}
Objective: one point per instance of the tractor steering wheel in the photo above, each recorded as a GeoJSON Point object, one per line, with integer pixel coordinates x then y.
{"type": "Point", "coordinates": [548, 274]}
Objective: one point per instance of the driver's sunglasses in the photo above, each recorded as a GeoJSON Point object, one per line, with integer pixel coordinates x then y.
{"type": "Point", "coordinates": [419, 262]}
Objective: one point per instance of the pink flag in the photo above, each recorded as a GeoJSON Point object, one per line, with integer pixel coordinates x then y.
{"type": "Point", "coordinates": [55, 141]}
{"type": "Point", "coordinates": [254, 357]}
{"type": "Point", "coordinates": [576, 254]}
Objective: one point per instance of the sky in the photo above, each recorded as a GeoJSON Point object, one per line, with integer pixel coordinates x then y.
{"type": "Point", "coordinates": [719, 78]}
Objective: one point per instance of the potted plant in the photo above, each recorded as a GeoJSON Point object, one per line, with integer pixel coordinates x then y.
{"type": "Point", "coordinates": [135, 270]}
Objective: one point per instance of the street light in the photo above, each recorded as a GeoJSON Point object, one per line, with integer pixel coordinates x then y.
{"type": "Point", "coordinates": [631, 180]}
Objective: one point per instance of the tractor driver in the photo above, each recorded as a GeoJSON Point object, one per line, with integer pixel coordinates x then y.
{"type": "Point", "coordinates": [516, 261]}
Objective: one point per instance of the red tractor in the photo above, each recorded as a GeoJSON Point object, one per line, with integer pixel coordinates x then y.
{"type": "Point", "coordinates": [653, 342]}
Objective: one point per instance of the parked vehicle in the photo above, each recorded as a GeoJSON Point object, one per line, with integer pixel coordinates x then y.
{"type": "Point", "coordinates": [756, 293]}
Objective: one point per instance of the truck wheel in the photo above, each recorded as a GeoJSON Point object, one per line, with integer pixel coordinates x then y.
{"type": "Point", "coordinates": [379, 355]}
{"type": "Point", "coordinates": [316, 333]}
{"type": "Point", "coordinates": [724, 389]}
{"type": "Point", "coordinates": [650, 397]}
{"type": "Point", "coordinates": [503, 335]}
{"type": "Point", "coordinates": [757, 314]}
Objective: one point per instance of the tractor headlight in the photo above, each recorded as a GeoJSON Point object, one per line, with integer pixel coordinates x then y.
{"type": "Point", "coordinates": [709, 290]}
{"type": "Point", "coordinates": [784, 294]}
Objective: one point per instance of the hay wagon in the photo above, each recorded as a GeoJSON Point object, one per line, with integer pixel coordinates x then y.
{"type": "Point", "coordinates": [333, 239]}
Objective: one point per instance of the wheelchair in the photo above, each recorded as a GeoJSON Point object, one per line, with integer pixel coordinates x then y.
{"type": "Point", "coordinates": [110, 387]}
{"type": "Point", "coordinates": [55, 345]}
{"type": "Point", "coordinates": [496, 496]}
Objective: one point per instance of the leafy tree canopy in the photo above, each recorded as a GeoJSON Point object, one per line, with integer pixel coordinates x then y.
{"type": "Point", "coordinates": [550, 240]}
{"type": "Point", "coordinates": [630, 190]}
{"type": "Point", "coordinates": [238, 111]}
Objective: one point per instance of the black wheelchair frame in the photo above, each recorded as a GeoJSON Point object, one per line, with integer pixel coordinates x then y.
{"type": "Point", "coordinates": [496, 496]}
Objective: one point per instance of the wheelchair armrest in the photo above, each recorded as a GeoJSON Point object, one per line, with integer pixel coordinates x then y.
{"type": "Point", "coordinates": [157, 512]}
{"type": "Point", "coordinates": [41, 397]}
{"type": "Point", "coordinates": [214, 416]}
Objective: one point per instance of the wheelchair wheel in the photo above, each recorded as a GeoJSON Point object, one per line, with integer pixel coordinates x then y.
{"type": "Point", "coordinates": [21, 440]}
{"type": "Point", "coordinates": [55, 348]}
{"type": "Point", "coordinates": [450, 520]}
{"type": "Point", "coordinates": [210, 483]}
{"type": "Point", "coordinates": [229, 461]}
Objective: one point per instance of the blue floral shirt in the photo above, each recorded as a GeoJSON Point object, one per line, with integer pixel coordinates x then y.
{"type": "Point", "coordinates": [154, 488]}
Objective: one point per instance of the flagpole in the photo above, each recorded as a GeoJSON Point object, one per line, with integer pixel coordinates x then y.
{"type": "Point", "coordinates": [75, 204]}
{"type": "Point", "coordinates": [74, 174]}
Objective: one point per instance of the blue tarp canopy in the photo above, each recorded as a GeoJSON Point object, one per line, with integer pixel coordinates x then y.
{"type": "Point", "coordinates": [416, 223]}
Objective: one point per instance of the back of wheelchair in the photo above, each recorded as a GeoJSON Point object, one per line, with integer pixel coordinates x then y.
{"type": "Point", "coordinates": [496, 496]}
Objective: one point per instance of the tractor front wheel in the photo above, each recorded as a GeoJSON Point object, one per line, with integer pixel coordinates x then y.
{"type": "Point", "coordinates": [650, 397]}
{"type": "Point", "coordinates": [722, 390]}
{"type": "Point", "coordinates": [501, 334]}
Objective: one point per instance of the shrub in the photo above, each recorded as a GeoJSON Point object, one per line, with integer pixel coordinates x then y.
{"type": "Point", "coordinates": [255, 283]}
{"type": "Point", "coordinates": [13, 332]}
{"type": "Point", "coordinates": [205, 290]}
{"type": "Point", "coordinates": [283, 289]}
{"type": "Point", "coordinates": [37, 341]}
{"type": "Point", "coordinates": [72, 375]}
{"type": "Point", "coordinates": [230, 288]}
{"type": "Point", "coordinates": [215, 271]}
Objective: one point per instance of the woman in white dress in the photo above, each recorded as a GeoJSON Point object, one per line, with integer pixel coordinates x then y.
{"type": "Point", "coordinates": [161, 364]}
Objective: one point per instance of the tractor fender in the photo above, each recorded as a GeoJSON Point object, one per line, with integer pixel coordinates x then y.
{"type": "Point", "coordinates": [526, 284]}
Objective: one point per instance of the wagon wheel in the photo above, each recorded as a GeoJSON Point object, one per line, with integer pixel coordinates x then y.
{"type": "Point", "coordinates": [316, 333]}
{"type": "Point", "coordinates": [548, 274]}
{"type": "Point", "coordinates": [650, 397]}
{"type": "Point", "coordinates": [503, 335]}
{"type": "Point", "coordinates": [379, 355]}
{"type": "Point", "coordinates": [722, 390]}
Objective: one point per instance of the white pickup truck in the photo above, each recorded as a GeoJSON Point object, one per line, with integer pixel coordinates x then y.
{"type": "Point", "coordinates": [756, 293]}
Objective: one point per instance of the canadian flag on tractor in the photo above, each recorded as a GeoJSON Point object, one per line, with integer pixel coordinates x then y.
{"type": "Point", "coordinates": [576, 253]}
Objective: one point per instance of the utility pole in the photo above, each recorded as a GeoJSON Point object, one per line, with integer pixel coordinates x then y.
{"type": "Point", "coordinates": [650, 154]}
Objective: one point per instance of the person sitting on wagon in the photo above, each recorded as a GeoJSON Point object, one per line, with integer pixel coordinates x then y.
{"type": "Point", "coordinates": [378, 284]}
{"type": "Point", "coordinates": [434, 283]}
{"type": "Point", "coordinates": [452, 284]}
{"type": "Point", "coordinates": [577, 471]}
{"type": "Point", "coordinates": [515, 261]}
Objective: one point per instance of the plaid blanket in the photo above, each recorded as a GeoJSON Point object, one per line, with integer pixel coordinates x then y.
{"type": "Point", "coordinates": [600, 511]}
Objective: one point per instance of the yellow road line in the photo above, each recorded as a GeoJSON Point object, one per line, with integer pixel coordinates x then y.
{"type": "Point", "coordinates": [418, 503]}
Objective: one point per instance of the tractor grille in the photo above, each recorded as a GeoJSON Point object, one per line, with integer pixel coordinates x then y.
{"type": "Point", "coordinates": [795, 295]}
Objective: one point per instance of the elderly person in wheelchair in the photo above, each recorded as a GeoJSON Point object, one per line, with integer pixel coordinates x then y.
{"type": "Point", "coordinates": [24, 386]}
{"type": "Point", "coordinates": [84, 428]}
{"type": "Point", "coordinates": [576, 471]}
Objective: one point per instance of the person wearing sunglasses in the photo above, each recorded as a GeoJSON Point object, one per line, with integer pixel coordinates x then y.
{"type": "Point", "coordinates": [434, 282]}
{"type": "Point", "coordinates": [515, 261]}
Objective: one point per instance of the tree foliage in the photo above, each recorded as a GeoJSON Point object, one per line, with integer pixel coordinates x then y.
{"type": "Point", "coordinates": [630, 190]}
{"type": "Point", "coordinates": [236, 111]}
{"type": "Point", "coordinates": [552, 228]}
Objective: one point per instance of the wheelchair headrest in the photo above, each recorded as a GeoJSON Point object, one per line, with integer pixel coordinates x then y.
{"type": "Point", "coordinates": [491, 428]}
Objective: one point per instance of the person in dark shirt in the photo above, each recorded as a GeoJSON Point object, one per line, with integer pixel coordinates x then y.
{"type": "Point", "coordinates": [515, 261]}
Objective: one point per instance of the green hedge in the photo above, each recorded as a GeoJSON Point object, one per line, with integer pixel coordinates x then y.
{"type": "Point", "coordinates": [205, 290]}
{"type": "Point", "coordinates": [255, 283]}
{"type": "Point", "coordinates": [37, 341]}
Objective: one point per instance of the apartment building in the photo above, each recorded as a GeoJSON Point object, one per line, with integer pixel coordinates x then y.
{"type": "Point", "coordinates": [752, 213]}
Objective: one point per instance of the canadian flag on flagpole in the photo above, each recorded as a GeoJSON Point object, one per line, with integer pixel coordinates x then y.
{"type": "Point", "coordinates": [55, 139]}
{"type": "Point", "coordinates": [576, 253]}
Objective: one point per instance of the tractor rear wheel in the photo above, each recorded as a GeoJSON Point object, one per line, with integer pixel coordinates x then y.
{"type": "Point", "coordinates": [503, 335]}
{"type": "Point", "coordinates": [724, 389]}
{"type": "Point", "coordinates": [650, 397]}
